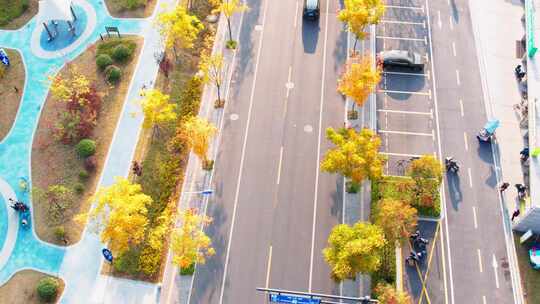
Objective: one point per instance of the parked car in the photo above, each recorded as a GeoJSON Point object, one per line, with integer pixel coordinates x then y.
{"type": "Point", "coordinates": [534, 256]}
{"type": "Point", "coordinates": [401, 58]}
{"type": "Point", "coordinates": [312, 9]}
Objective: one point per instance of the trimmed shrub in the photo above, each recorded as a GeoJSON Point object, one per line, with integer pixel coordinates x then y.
{"type": "Point", "coordinates": [79, 188]}
{"type": "Point", "coordinates": [47, 289]}
{"type": "Point", "coordinates": [83, 175]}
{"type": "Point", "coordinates": [128, 262]}
{"type": "Point", "coordinates": [121, 53]}
{"type": "Point", "coordinates": [113, 73]}
{"type": "Point", "coordinates": [60, 233]}
{"type": "Point", "coordinates": [103, 61]}
{"type": "Point", "coordinates": [90, 163]}
{"type": "Point", "coordinates": [86, 148]}
{"type": "Point", "coordinates": [188, 270]}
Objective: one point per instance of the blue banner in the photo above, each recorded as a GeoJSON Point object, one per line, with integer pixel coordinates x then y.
{"type": "Point", "coordinates": [4, 57]}
{"type": "Point", "coordinates": [278, 298]}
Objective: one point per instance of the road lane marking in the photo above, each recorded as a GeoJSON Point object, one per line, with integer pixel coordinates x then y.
{"type": "Point", "coordinates": [400, 154]}
{"type": "Point", "coordinates": [406, 133]}
{"type": "Point", "coordinates": [321, 106]}
{"type": "Point", "coordinates": [439, 21]}
{"type": "Point", "coordinates": [451, 23]}
{"type": "Point", "coordinates": [403, 22]}
{"type": "Point", "coordinates": [461, 108]}
{"type": "Point", "coordinates": [454, 48]}
{"type": "Point", "coordinates": [242, 157]}
{"type": "Point", "coordinates": [279, 165]}
{"type": "Point", "coordinates": [423, 278]}
{"type": "Point", "coordinates": [495, 266]}
{"type": "Point", "coordinates": [474, 218]}
{"type": "Point", "coordinates": [480, 260]}
{"type": "Point", "coordinates": [484, 301]}
{"type": "Point", "coordinates": [465, 139]}
{"type": "Point", "coordinates": [406, 7]}
{"type": "Point", "coordinates": [407, 74]}
{"type": "Point", "coordinates": [269, 266]}
{"type": "Point", "coordinates": [406, 112]}
{"type": "Point", "coordinates": [457, 78]}
{"type": "Point", "coordinates": [296, 14]}
{"type": "Point", "coordinates": [405, 92]}
{"type": "Point", "coordinates": [401, 38]}
{"type": "Point", "coordinates": [470, 176]}
{"type": "Point", "coordinates": [443, 200]}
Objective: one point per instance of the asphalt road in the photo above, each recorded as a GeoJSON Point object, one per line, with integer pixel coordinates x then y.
{"type": "Point", "coordinates": [413, 110]}
{"type": "Point", "coordinates": [270, 197]}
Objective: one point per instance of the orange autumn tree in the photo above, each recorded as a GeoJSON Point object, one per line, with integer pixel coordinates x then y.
{"type": "Point", "coordinates": [360, 79]}
{"type": "Point", "coordinates": [190, 245]}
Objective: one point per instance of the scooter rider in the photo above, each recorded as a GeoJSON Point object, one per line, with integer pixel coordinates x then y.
{"type": "Point", "coordinates": [451, 164]}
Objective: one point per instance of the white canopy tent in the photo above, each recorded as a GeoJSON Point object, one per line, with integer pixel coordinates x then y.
{"type": "Point", "coordinates": [55, 10]}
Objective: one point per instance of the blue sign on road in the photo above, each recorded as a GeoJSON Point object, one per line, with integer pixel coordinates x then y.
{"type": "Point", "coordinates": [277, 298]}
{"type": "Point", "coordinates": [4, 57]}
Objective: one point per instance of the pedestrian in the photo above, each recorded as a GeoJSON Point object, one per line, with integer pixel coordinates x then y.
{"type": "Point", "coordinates": [137, 170]}
{"type": "Point", "coordinates": [524, 154]}
{"type": "Point", "coordinates": [520, 188]}
{"type": "Point", "coordinates": [504, 186]}
{"type": "Point", "coordinates": [515, 214]}
{"type": "Point", "coordinates": [16, 89]}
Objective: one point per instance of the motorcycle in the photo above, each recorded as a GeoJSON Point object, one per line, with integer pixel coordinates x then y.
{"type": "Point", "coordinates": [519, 72]}
{"type": "Point", "coordinates": [451, 165]}
{"type": "Point", "coordinates": [415, 257]}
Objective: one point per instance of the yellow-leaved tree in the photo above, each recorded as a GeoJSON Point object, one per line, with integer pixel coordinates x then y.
{"type": "Point", "coordinates": [355, 155]}
{"type": "Point", "coordinates": [198, 133]}
{"type": "Point", "coordinates": [387, 294]}
{"type": "Point", "coordinates": [120, 214]}
{"type": "Point", "coordinates": [359, 80]}
{"type": "Point", "coordinates": [74, 86]}
{"type": "Point", "coordinates": [212, 71]}
{"type": "Point", "coordinates": [396, 218]}
{"type": "Point", "coordinates": [354, 249]}
{"type": "Point", "coordinates": [358, 14]}
{"type": "Point", "coordinates": [189, 243]}
{"type": "Point", "coordinates": [228, 8]}
{"type": "Point", "coordinates": [178, 29]}
{"type": "Point", "coordinates": [156, 109]}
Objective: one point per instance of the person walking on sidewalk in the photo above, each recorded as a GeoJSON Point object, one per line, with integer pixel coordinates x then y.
{"type": "Point", "coordinates": [515, 214]}
{"type": "Point", "coordinates": [504, 186]}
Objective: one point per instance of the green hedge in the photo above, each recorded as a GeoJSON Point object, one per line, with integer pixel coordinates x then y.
{"type": "Point", "coordinates": [108, 46]}
{"type": "Point", "coordinates": [47, 289]}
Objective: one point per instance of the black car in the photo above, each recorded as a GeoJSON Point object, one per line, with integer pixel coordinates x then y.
{"type": "Point", "coordinates": [400, 58]}
{"type": "Point", "coordinates": [312, 9]}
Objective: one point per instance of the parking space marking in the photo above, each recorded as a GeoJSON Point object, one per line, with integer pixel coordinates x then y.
{"type": "Point", "coordinates": [403, 38]}
{"type": "Point", "coordinates": [421, 8]}
{"type": "Point", "coordinates": [400, 154]}
{"type": "Point", "coordinates": [475, 221]}
{"type": "Point", "coordinates": [423, 23]}
{"type": "Point", "coordinates": [461, 107]}
{"type": "Point", "coordinates": [430, 114]}
{"type": "Point", "coordinates": [454, 48]}
{"type": "Point", "coordinates": [406, 92]}
{"type": "Point", "coordinates": [470, 176]}
{"type": "Point", "coordinates": [406, 133]}
{"type": "Point", "coordinates": [279, 165]}
{"type": "Point", "coordinates": [480, 260]}
{"type": "Point", "coordinates": [465, 139]}
{"type": "Point", "coordinates": [457, 78]}
{"type": "Point", "coordinates": [408, 74]}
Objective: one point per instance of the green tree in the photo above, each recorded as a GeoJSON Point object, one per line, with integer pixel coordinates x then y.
{"type": "Point", "coordinates": [228, 8]}
{"type": "Point", "coordinates": [387, 294]}
{"type": "Point", "coordinates": [178, 29]}
{"type": "Point", "coordinates": [358, 14]}
{"type": "Point", "coordinates": [120, 214]}
{"type": "Point", "coordinates": [396, 218]}
{"type": "Point", "coordinates": [359, 80]}
{"type": "Point", "coordinates": [354, 249]}
{"type": "Point", "coordinates": [355, 155]}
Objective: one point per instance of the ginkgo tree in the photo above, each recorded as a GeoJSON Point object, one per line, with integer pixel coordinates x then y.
{"type": "Point", "coordinates": [358, 14]}
{"type": "Point", "coordinates": [189, 243]}
{"type": "Point", "coordinates": [360, 79]}
{"type": "Point", "coordinates": [354, 249]}
{"type": "Point", "coordinates": [120, 214]}
{"type": "Point", "coordinates": [198, 133]}
{"type": "Point", "coordinates": [178, 29]}
{"type": "Point", "coordinates": [355, 155]}
{"type": "Point", "coordinates": [387, 294]}
{"type": "Point", "coordinates": [74, 86]}
{"type": "Point", "coordinates": [211, 67]}
{"type": "Point", "coordinates": [228, 8]}
{"type": "Point", "coordinates": [157, 109]}
{"type": "Point", "coordinates": [396, 218]}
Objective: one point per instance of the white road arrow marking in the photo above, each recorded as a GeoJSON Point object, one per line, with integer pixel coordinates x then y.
{"type": "Point", "coordinates": [494, 264]}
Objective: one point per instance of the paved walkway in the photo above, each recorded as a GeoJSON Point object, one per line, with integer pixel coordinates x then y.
{"type": "Point", "coordinates": [79, 265]}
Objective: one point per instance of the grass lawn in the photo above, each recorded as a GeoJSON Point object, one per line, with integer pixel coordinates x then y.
{"type": "Point", "coordinates": [16, 13]}
{"type": "Point", "coordinates": [21, 288]}
{"type": "Point", "coordinates": [530, 278]}
{"type": "Point", "coordinates": [131, 8]}
{"type": "Point", "coordinates": [10, 98]}
{"type": "Point", "coordinates": [56, 163]}
{"type": "Point", "coordinates": [400, 188]}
